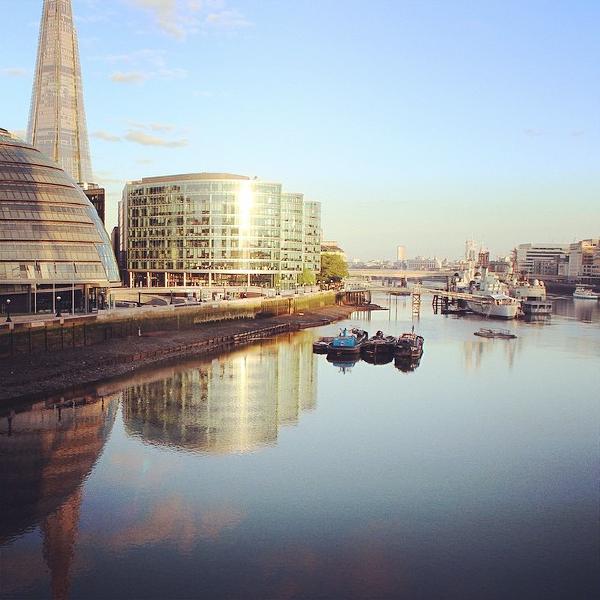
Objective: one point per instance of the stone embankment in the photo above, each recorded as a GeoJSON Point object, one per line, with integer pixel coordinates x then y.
{"type": "Point", "coordinates": [31, 375]}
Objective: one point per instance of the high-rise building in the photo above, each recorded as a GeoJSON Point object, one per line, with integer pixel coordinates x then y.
{"type": "Point", "coordinates": [400, 253]}
{"type": "Point", "coordinates": [57, 125]}
{"type": "Point", "coordinates": [216, 229]}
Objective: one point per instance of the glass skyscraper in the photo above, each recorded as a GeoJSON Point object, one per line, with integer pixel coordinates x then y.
{"type": "Point", "coordinates": [57, 125]}
{"type": "Point", "coordinates": [217, 229]}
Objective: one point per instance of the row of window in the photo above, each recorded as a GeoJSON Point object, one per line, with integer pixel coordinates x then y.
{"type": "Point", "coordinates": [64, 272]}
{"type": "Point", "coordinates": [40, 212]}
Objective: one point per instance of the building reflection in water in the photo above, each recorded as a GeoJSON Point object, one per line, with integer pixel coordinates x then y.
{"type": "Point", "coordinates": [233, 404]}
{"type": "Point", "coordinates": [46, 453]}
{"type": "Point", "coordinates": [475, 350]}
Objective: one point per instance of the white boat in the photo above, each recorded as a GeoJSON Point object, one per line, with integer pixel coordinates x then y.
{"type": "Point", "coordinates": [490, 298]}
{"type": "Point", "coordinates": [583, 292]}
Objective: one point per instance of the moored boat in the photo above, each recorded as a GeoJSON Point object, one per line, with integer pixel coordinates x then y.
{"type": "Point", "coordinates": [348, 343]}
{"type": "Point", "coordinates": [495, 333]}
{"type": "Point", "coordinates": [379, 344]}
{"type": "Point", "coordinates": [409, 345]}
{"type": "Point", "coordinates": [585, 292]}
{"type": "Point", "coordinates": [321, 345]}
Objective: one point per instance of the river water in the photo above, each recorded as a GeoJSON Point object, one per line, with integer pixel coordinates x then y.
{"type": "Point", "coordinates": [272, 473]}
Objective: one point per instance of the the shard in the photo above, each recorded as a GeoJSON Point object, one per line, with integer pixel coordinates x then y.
{"type": "Point", "coordinates": [57, 125]}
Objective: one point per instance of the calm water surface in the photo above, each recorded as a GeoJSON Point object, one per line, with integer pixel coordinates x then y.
{"type": "Point", "coordinates": [271, 473]}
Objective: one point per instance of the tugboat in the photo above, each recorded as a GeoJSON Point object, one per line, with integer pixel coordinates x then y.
{"type": "Point", "coordinates": [409, 346]}
{"type": "Point", "coordinates": [379, 345]}
{"type": "Point", "coordinates": [348, 343]}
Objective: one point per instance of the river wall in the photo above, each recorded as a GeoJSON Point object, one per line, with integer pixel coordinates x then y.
{"type": "Point", "coordinates": [56, 334]}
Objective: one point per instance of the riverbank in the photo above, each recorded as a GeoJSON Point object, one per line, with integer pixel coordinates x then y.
{"type": "Point", "coordinates": [30, 376]}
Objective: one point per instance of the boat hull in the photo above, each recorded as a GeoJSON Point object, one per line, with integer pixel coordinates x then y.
{"type": "Point", "coordinates": [494, 311]}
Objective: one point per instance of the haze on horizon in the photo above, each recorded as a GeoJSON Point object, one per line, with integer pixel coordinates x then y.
{"type": "Point", "coordinates": [421, 124]}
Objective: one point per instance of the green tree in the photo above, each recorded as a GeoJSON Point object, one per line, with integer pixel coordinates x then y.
{"type": "Point", "coordinates": [307, 277]}
{"type": "Point", "coordinates": [333, 268]}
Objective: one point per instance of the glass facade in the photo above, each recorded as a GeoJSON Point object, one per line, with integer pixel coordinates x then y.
{"type": "Point", "coordinates": [57, 124]}
{"type": "Point", "coordinates": [214, 229]}
{"type": "Point", "coordinates": [50, 234]}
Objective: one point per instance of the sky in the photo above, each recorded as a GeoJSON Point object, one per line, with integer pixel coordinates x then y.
{"type": "Point", "coordinates": [415, 123]}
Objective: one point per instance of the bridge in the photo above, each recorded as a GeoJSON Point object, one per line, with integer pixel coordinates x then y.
{"type": "Point", "coordinates": [399, 274]}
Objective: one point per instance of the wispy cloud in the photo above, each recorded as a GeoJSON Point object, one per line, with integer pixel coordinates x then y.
{"type": "Point", "coordinates": [143, 65]}
{"type": "Point", "coordinates": [131, 77]}
{"type": "Point", "coordinates": [227, 19]}
{"type": "Point", "coordinates": [159, 127]}
{"type": "Point", "coordinates": [106, 136]}
{"type": "Point", "coordinates": [139, 137]}
{"type": "Point", "coordinates": [180, 18]}
{"type": "Point", "coordinates": [532, 132]}
{"type": "Point", "coordinates": [14, 72]}
{"type": "Point", "coordinates": [577, 133]}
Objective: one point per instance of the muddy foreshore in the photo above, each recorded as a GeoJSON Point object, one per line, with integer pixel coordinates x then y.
{"type": "Point", "coordinates": [34, 376]}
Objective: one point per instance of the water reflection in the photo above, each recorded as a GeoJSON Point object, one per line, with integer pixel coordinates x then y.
{"type": "Point", "coordinates": [236, 403]}
{"type": "Point", "coordinates": [586, 311]}
{"type": "Point", "coordinates": [46, 453]}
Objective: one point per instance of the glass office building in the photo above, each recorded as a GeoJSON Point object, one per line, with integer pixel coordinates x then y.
{"type": "Point", "coordinates": [52, 242]}
{"type": "Point", "coordinates": [214, 229]}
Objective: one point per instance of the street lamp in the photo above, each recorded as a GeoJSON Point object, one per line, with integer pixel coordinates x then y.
{"type": "Point", "coordinates": [8, 319]}
{"type": "Point", "coordinates": [58, 314]}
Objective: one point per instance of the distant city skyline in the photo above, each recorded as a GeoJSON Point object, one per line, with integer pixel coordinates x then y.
{"type": "Point", "coordinates": [419, 125]}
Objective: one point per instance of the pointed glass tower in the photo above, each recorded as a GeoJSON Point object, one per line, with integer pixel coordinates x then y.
{"type": "Point", "coordinates": [57, 125]}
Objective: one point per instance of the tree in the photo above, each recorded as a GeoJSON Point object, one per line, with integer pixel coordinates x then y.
{"type": "Point", "coordinates": [333, 268]}
{"type": "Point", "coordinates": [307, 277]}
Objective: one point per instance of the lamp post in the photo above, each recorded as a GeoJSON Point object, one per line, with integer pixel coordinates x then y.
{"type": "Point", "coordinates": [8, 319]}
{"type": "Point", "coordinates": [58, 313]}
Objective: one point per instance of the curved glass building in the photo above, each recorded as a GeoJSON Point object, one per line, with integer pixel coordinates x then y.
{"type": "Point", "coordinates": [205, 229]}
{"type": "Point", "coordinates": [52, 242]}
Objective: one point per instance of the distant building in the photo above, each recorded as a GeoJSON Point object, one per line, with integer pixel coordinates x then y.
{"type": "Point", "coordinates": [538, 259]}
{"type": "Point", "coordinates": [483, 259]}
{"type": "Point", "coordinates": [581, 257]}
{"type": "Point", "coordinates": [97, 196]}
{"type": "Point", "coordinates": [499, 266]}
{"type": "Point", "coordinates": [423, 264]}
{"type": "Point", "coordinates": [216, 229]}
{"type": "Point", "coordinates": [330, 247]}
{"type": "Point", "coordinates": [400, 253]}
{"type": "Point", "coordinates": [471, 250]}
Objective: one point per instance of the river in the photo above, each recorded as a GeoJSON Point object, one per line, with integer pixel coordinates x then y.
{"type": "Point", "coordinates": [271, 473]}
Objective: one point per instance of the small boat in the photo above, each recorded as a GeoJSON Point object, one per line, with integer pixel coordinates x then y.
{"type": "Point", "coordinates": [348, 343]}
{"type": "Point", "coordinates": [584, 292]}
{"type": "Point", "coordinates": [379, 344]}
{"type": "Point", "coordinates": [409, 345]}
{"type": "Point", "coordinates": [504, 334]}
{"type": "Point", "coordinates": [321, 345]}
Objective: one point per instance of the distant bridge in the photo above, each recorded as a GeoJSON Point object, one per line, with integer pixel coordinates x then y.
{"type": "Point", "coordinates": [399, 274]}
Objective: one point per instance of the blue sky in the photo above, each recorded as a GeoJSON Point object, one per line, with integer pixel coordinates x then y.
{"type": "Point", "coordinates": [418, 123]}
